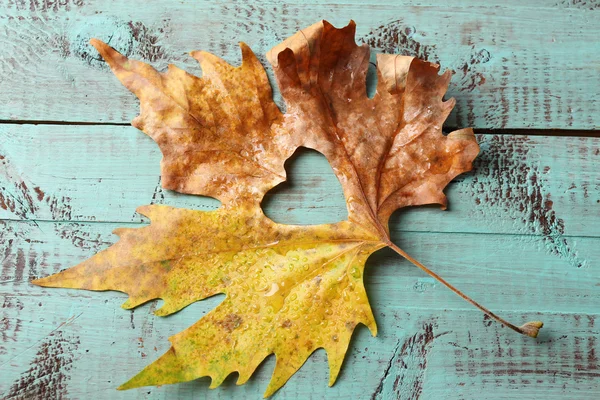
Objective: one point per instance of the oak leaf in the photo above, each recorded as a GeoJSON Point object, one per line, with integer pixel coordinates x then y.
{"type": "Point", "coordinates": [289, 289]}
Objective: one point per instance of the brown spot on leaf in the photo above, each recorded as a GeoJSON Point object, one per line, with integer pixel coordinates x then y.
{"type": "Point", "coordinates": [226, 280]}
{"type": "Point", "coordinates": [231, 322]}
{"type": "Point", "coordinates": [318, 280]}
{"type": "Point", "coordinates": [286, 324]}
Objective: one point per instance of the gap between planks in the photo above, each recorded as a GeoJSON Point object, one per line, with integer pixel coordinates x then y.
{"type": "Point", "coordinates": [136, 224]}
{"type": "Point", "coordinates": [503, 131]}
{"type": "Point", "coordinates": [83, 294]}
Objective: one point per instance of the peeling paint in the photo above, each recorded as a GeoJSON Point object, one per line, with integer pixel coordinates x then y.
{"type": "Point", "coordinates": [131, 38]}
{"type": "Point", "coordinates": [48, 373]}
{"type": "Point", "coordinates": [10, 324]}
{"type": "Point", "coordinates": [580, 4]}
{"type": "Point", "coordinates": [397, 38]}
{"type": "Point", "coordinates": [404, 375]}
{"type": "Point", "coordinates": [506, 178]}
{"type": "Point", "coordinates": [43, 6]}
{"type": "Point", "coordinates": [82, 238]}
{"type": "Point", "coordinates": [565, 363]}
{"type": "Point", "coordinates": [23, 199]}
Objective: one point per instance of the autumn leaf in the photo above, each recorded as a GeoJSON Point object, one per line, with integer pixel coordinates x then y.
{"type": "Point", "coordinates": [289, 289]}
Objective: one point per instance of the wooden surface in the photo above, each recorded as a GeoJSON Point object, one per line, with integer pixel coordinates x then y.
{"type": "Point", "coordinates": [519, 64]}
{"type": "Point", "coordinates": [521, 233]}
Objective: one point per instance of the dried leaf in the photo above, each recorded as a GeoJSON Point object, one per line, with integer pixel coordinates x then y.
{"type": "Point", "coordinates": [388, 152]}
{"type": "Point", "coordinates": [289, 289]}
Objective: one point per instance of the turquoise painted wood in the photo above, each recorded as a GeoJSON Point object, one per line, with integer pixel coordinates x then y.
{"type": "Point", "coordinates": [521, 234]}
{"type": "Point", "coordinates": [519, 64]}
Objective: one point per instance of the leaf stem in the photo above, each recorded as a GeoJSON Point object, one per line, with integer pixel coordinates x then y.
{"type": "Point", "coordinates": [530, 328]}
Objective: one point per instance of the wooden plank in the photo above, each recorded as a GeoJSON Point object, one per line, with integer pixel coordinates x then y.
{"type": "Point", "coordinates": [78, 344]}
{"type": "Point", "coordinates": [514, 69]}
{"type": "Point", "coordinates": [532, 185]}
{"type": "Point", "coordinates": [504, 262]}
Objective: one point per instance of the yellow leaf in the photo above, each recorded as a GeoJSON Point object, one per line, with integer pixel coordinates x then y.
{"type": "Point", "coordinates": [290, 289]}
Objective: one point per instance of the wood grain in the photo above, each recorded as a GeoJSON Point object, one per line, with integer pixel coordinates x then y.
{"type": "Point", "coordinates": [514, 69]}
{"type": "Point", "coordinates": [521, 233]}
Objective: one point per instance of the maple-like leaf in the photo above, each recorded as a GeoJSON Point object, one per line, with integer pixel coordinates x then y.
{"type": "Point", "coordinates": [289, 289]}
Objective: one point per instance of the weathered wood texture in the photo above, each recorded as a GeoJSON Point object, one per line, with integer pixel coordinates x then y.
{"type": "Point", "coordinates": [519, 64]}
{"type": "Point", "coordinates": [521, 234]}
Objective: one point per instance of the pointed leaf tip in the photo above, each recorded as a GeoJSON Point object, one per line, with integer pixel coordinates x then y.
{"type": "Point", "coordinates": [37, 282]}
{"type": "Point", "coordinates": [99, 45]}
{"type": "Point", "coordinates": [48, 281]}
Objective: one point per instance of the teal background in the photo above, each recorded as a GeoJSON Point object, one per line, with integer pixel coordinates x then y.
{"type": "Point", "coordinates": [521, 234]}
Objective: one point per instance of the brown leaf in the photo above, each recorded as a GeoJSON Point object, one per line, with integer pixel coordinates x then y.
{"type": "Point", "coordinates": [221, 135]}
{"type": "Point", "coordinates": [388, 151]}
